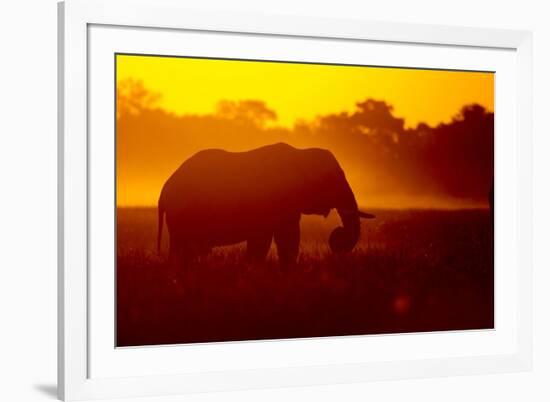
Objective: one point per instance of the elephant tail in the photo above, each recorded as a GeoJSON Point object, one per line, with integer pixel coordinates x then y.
{"type": "Point", "coordinates": [160, 224]}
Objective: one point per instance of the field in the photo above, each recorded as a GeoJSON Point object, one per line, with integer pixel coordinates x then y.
{"type": "Point", "coordinates": [412, 270]}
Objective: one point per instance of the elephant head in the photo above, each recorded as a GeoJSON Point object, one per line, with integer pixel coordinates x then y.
{"type": "Point", "coordinates": [330, 189]}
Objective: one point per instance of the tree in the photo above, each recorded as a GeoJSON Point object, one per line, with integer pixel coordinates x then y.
{"type": "Point", "coordinates": [132, 97]}
{"type": "Point", "coordinates": [253, 112]}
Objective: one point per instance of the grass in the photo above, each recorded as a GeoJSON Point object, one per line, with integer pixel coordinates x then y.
{"type": "Point", "coordinates": [411, 271]}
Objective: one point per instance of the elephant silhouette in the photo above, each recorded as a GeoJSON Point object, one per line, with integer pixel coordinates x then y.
{"type": "Point", "coordinates": [220, 198]}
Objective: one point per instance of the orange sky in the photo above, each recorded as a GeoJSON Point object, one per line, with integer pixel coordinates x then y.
{"type": "Point", "coordinates": [303, 91]}
{"type": "Point", "coordinates": [294, 91]}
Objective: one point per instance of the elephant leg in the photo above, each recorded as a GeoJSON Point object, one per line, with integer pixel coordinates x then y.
{"type": "Point", "coordinates": [200, 252]}
{"type": "Point", "coordinates": [257, 247]}
{"type": "Point", "coordinates": [287, 239]}
{"type": "Point", "coordinates": [182, 252]}
{"type": "Point", "coordinates": [175, 258]}
{"type": "Point", "coordinates": [174, 251]}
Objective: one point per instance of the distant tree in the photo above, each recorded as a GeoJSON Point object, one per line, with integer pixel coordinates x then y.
{"type": "Point", "coordinates": [132, 97]}
{"type": "Point", "coordinates": [246, 112]}
{"type": "Point", "coordinates": [381, 156]}
{"type": "Point", "coordinates": [377, 120]}
{"type": "Point", "coordinates": [459, 155]}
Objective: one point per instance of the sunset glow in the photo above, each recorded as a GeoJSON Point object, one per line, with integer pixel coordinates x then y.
{"type": "Point", "coordinates": [303, 91]}
{"type": "Point", "coordinates": [172, 107]}
{"type": "Point", "coordinates": [276, 200]}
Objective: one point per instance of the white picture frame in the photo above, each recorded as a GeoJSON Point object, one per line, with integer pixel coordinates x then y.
{"type": "Point", "coordinates": [75, 334]}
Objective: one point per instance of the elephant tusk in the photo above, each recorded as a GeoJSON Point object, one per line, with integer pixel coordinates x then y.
{"type": "Point", "coordinates": [366, 215]}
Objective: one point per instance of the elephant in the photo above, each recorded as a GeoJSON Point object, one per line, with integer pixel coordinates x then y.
{"type": "Point", "coordinates": [218, 198]}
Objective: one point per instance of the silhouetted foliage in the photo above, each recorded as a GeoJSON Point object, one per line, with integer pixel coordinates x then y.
{"type": "Point", "coordinates": [380, 156]}
{"type": "Point", "coordinates": [246, 112]}
{"type": "Point", "coordinates": [133, 97]}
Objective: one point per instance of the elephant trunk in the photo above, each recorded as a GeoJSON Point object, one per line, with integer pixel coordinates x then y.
{"type": "Point", "coordinates": [344, 238]}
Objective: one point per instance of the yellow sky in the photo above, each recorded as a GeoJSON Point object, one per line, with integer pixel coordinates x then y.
{"type": "Point", "coordinates": [303, 91]}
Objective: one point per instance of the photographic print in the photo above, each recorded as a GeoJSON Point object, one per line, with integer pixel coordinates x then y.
{"type": "Point", "coordinates": [264, 200]}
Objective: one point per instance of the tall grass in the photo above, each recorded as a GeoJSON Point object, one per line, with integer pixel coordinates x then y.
{"type": "Point", "coordinates": [411, 271]}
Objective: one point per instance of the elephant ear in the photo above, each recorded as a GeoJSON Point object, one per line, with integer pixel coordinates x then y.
{"type": "Point", "coordinates": [310, 178]}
